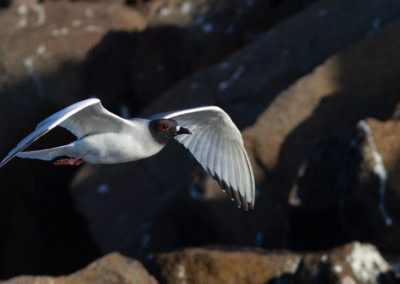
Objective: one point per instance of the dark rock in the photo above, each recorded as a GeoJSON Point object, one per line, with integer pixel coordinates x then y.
{"type": "Point", "coordinates": [186, 36]}
{"type": "Point", "coordinates": [320, 105]}
{"type": "Point", "coordinates": [112, 268]}
{"type": "Point", "coordinates": [39, 70]}
{"type": "Point", "coordinates": [244, 84]}
{"type": "Point", "coordinates": [376, 192]}
{"type": "Point", "coordinates": [352, 263]}
{"type": "Point", "coordinates": [338, 192]}
{"type": "Point", "coordinates": [40, 51]}
{"type": "Point", "coordinates": [152, 205]}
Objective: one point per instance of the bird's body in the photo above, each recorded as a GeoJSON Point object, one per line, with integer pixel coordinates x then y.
{"type": "Point", "coordinates": [104, 138]}
{"type": "Point", "coordinates": [105, 148]}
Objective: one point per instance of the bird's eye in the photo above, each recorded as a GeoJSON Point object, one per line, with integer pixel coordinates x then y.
{"type": "Point", "coordinates": [164, 126]}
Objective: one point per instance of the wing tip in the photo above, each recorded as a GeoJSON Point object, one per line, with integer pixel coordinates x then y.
{"type": "Point", "coordinates": [5, 161]}
{"type": "Point", "coordinates": [233, 194]}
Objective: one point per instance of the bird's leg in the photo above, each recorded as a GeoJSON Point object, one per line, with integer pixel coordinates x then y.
{"type": "Point", "coordinates": [68, 162]}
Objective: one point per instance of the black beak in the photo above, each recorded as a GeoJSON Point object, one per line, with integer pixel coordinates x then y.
{"type": "Point", "coordinates": [183, 130]}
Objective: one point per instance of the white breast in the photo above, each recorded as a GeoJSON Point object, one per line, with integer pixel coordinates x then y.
{"type": "Point", "coordinates": [126, 146]}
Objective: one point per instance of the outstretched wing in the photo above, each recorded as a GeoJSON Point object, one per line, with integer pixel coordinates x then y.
{"type": "Point", "coordinates": [217, 145]}
{"type": "Point", "coordinates": [82, 118]}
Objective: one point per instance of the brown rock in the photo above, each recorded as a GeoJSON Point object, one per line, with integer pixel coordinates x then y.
{"type": "Point", "coordinates": [41, 50]}
{"type": "Point", "coordinates": [247, 82]}
{"type": "Point", "coordinates": [348, 188]}
{"type": "Point", "coordinates": [336, 186]}
{"type": "Point", "coordinates": [352, 263]}
{"type": "Point", "coordinates": [377, 187]}
{"type": "Point", "coordinates": [39, 58]}
{"type": "Point", "coordinates": [112, 268]}
{"type": "Point", "coordinates": [146, 206]}
{"type": "Point", "coordinates": [200, 265]}
{"type": "Point", "coordinates": [186, 36]}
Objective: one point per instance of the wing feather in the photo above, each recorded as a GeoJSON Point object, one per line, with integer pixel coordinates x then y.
{"type": "Point", "coordinates": [218, 146]}
{"type": "Point", "coordinates": [211, 156]}
{"type": "Point", "coordinates": [82, 118]}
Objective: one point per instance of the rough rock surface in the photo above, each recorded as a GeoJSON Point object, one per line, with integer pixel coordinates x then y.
{"type": "Point", "coordinates": [360, 188]}
{"type": "Point", "coordinates": [54, 53]}
{"type": "Point", "coordinates": [352, 263]}
{"type": "Point", "coordinates": [329, 111]}
{"type": "Point", "coordinates": [112, 268]}
{"type": "Point", "coordinates": [377, 189]}
{"type": "Point", "coordinates": [244, 84]}
{"type": "Point", "coordinates": [185, 36]}
{"type": "Point", "coordinates": [41, 51]}
{"type": "Point", "coordinates": [59, 52]}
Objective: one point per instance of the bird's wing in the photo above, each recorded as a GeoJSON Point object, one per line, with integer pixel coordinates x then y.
{"type": "Point", "coordinates": [218, 146]}
{"type": "Point", "coordinates": [82, 118]}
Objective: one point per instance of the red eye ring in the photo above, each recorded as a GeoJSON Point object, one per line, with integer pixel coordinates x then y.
{"type": "Point", "coordinates": [164, 126]}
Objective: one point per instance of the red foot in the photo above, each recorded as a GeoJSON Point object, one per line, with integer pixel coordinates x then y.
{"type": "Point", "coordinates": [68, 162]}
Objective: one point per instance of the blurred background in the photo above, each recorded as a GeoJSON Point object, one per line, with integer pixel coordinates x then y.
{"type": "Point", "coordinates": [313, 85]}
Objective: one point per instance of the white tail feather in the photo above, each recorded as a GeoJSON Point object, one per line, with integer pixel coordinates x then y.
{"type": "Point", "coordinates": [48, 154]}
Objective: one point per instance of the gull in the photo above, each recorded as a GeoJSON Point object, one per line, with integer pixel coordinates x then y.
{"type": "Point", "coordinates": [105, 138]}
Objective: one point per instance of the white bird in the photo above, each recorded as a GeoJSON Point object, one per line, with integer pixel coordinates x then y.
{"type": "Point", "coordinates": [105, 138]}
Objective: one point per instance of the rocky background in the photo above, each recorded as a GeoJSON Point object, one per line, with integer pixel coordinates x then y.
{"type": "Point", "coordinates": [314, 86]}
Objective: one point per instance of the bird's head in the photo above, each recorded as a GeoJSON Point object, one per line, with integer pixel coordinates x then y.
{"type": "Point", "coordinates": [164, 130]}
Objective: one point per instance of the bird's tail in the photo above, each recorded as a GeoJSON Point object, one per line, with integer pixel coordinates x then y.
{"type": "Point", "coordinates": [48, 154]}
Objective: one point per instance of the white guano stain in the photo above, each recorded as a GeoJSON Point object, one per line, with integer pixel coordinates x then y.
{"type": "Point", "coordinates": [37, 82]}
{"type": "Point", "coordinates": [41, 14]}
{"type": "Point", "coordinates": [165, 11]}
{"type": "Point", "coordinates": [41, 49]}
{"type": "Point", "coordinates": [181, 273]}
{"type": "Point", "coordinates": [93, 29]}
{"type": "Point", "coordinates": [292, 264]}
{"type": "Point", "coordinates": [379, 170]}
{"type": "Point", "coordinates": [226, 84]}
{"type": "Point", "coordinates": [60, 32]}
{"type": "Point", "coordinates": [186, 7]}
{"type": "Point", "coordinates": [366, 263]}
{"type": "Point", "coordinates": [88, 13]}
{"type": "Point", "coordinates": [338, 269]}
{"type": "Point", "coordinates": [23, 13]}
{"type": "Point", "coordinates": [76, 23]}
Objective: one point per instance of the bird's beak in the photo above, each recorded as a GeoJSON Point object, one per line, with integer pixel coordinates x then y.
{"type": "Point", "coordinates": [183, 130]}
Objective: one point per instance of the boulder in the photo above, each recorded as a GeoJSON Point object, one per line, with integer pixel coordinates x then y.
{"type": "Point", "coordinates": [41, 51]}
{"type": "Point", "coordinates": [352, 181]}
{"type": "Point", "coordinates": [186, 36]}
{"type": "Point", "coordinates": [352, 263]}
{"type": "Point", "coordinates": [54, 53]}
{"type": "Point", "coordinates": [166, 202]}
{"type": "Point", "coordinates": [112, 268]}
{"type": "Point", "coordinates": [190, 209]}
